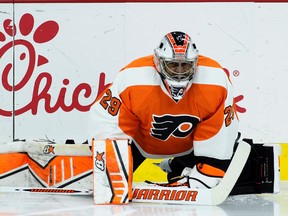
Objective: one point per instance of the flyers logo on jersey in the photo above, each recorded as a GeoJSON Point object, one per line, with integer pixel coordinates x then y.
{"type": "Point", "coordinates": [173, 125]}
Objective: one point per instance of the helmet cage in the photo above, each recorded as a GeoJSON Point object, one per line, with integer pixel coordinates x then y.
{"type": "Point", "coordinates": [177, 70]}
{"type": "Point", "coordinates": [176, 60]}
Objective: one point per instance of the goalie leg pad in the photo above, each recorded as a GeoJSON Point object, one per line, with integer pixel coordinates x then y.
{"type": "Point", "coordinates": [112, 171]}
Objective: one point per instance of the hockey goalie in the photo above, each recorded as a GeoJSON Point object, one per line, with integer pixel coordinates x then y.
{"type": "Point", "coordinates": [179, 105]}
{"type": "Point", "coordinates": [176, 105]}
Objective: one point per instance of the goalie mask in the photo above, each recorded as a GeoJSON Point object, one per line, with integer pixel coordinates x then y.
{"type": "Point", "coordinates": [176, 59]}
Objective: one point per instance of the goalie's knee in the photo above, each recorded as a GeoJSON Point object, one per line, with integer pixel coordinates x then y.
{"type": "Point", "coordinates": [112, 171]}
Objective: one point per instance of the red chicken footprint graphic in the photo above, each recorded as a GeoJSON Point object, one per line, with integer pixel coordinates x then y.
{"type": "Point", "coordinates": [42, 34]}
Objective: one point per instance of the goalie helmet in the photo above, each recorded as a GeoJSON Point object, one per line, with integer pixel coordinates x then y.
{"type": "Point", "coordinates": [176, 59]}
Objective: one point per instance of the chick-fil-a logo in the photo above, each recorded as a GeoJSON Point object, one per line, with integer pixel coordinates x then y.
{"type": "Point", "coordinates": [41, 34]}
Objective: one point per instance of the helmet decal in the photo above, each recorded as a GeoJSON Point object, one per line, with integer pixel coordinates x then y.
{"type": "Point", "coordinates": [178, 42]}
{"type": "Point", "coordinates": [177, 91]}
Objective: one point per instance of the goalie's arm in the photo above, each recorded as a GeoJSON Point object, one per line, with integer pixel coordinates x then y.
{"type": "Point", "coordinates": [111, 116]}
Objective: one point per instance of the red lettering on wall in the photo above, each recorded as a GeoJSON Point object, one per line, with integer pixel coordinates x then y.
{"type": "Point", "coordinates": [43, 85]}
{"type": "Point", "coordinates": [45, 79]}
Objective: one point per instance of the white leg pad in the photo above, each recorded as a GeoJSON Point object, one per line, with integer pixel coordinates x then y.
{"type": "Point", "coordinates": [112, 171]}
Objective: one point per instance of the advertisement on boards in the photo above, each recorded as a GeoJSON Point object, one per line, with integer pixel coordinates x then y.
{"type": "Point", "coordinates": [57, 57]}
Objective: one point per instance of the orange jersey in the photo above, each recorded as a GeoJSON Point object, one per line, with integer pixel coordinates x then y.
{"type": "Point", "coordinates": [137, 106]}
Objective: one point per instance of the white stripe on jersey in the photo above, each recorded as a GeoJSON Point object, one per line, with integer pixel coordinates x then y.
{"type": "Point", "coordinates": [138, 76]}
{"type": "Point", "coordinates": [149, 76]}
{"type": "Point", "coordinates": [211, 75]}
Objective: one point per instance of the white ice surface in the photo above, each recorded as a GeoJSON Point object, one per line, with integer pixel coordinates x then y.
{"type": "Point", "coordinates": [42, 204]}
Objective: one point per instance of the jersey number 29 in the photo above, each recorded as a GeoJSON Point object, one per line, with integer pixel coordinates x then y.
{"type": "Point", "coordinates": [111, 103]}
